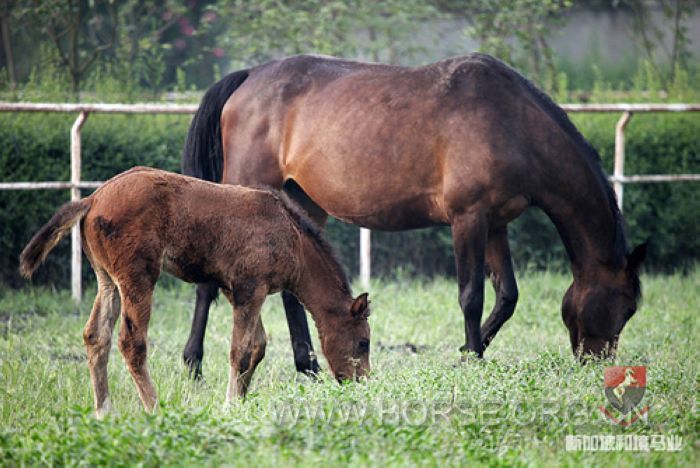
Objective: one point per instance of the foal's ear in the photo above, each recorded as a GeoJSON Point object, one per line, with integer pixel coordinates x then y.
{"type": "Point", "coordinates": [360, 306]}
{"type": "Point", "coordinates": [636, 257]}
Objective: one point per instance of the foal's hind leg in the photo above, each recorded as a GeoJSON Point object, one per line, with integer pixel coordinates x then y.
{"type": "Point", "coordinates": [501, 265]}
{"type": "Point", "coordinates": [136, 312]}
{"type": "Point", "coordinates": [97, 336]}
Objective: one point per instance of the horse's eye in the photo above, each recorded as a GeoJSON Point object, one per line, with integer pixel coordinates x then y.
{"type": "Point", "coordinates": [363, 346]}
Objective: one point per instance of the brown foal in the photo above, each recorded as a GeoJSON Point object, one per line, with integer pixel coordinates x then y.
{"type": "Point", "coordinates": [251, 242]}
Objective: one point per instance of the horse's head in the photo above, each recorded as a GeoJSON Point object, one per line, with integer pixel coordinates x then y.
{"type": "Point", "coordinates": [596, 314]}
{"type": "Point", "coordinates": [345, 341]}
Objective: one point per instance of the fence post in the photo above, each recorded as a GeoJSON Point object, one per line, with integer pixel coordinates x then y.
{"type": "Point", "coordinates": [365, 257]}
{"type": "Point", "coordinates": [76, 250]}
{"type": "Point", "coordinates": [619, 167]}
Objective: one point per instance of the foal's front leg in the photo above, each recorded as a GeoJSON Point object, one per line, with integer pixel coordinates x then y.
{"type": "Point", "coordinates": [248, 340]}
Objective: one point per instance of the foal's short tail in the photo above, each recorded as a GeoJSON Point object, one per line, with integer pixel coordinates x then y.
{"type": "Point", "coordinates": [48, 236]}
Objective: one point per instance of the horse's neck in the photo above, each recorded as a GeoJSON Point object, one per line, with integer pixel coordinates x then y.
{"type": "Point", "coordinates": [319, 285]}
{"type": "Point", "coordinates": [580, 209]}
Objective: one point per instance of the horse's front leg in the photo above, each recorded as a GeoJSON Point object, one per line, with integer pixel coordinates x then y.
{"type": "Point", "coordinates": [500, 263]}
{"type": "Point", "coordinates": [469, 234]}
{"type": "Point", "coordinates": [194, 349]}
{"type": "Point", "coordinates": [248, 341]}
{"type": "Point", "coordinates": [304, 356]}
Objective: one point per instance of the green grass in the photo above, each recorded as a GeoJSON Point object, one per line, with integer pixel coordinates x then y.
{"type": "Point", "coordinates": [515, 407]}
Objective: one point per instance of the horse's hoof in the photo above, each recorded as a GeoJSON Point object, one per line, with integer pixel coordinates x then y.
{"type": "Point", "coordinates": [470, 354]}
{"type": "Point", "coordinates": [101, 413]}
{"type": "Point", "coordinates": [308, 367]}
{"type": "Point", "coordinates": [194, 368]}
{"type": "Point", "coordinates": [312, 373]}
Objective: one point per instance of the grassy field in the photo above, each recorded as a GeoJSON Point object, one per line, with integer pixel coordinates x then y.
{"type": "Point", "coordinates": [515, 407]}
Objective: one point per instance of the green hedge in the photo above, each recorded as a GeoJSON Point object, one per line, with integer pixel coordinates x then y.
{"type": "Point", "coordinates": [36, 147]}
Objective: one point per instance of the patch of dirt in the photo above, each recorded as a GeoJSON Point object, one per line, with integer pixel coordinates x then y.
{"type": "Point", "coordinates": [406, 347]}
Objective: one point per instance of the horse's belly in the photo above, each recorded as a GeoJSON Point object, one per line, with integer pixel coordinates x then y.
{"type": "Point", "coordinates": [392, 220]}
{"type": "Point", "coordinates": [383, 211]}
{"type": "Point", "coordinates": [189, 271]}
{"type": "Point", "coordinates": [378, 188]}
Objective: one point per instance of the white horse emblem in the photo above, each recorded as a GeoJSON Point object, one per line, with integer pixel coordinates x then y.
{"type": "Point", "coordinates": [620, 390]}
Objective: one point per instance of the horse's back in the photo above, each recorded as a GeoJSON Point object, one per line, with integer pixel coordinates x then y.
{"type": "Point", "coordinates": [378, 145]}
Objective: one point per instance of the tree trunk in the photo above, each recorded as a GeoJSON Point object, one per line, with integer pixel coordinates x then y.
{"type": "Point", "coordinates": [676, 40]}
{"type": "Point", "coordinates": [73, 49]}
{"type": "Point", "coordinates": [7, 43]}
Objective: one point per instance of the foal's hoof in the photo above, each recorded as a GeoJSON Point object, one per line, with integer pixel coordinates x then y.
{"type": "Point", "coordinates": [101, 413]}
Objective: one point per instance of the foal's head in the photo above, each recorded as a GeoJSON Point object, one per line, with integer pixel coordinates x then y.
{"type": "Point", "coordinates": [345, 340]}
{"type": "Point", "coordinates": [596, 314]}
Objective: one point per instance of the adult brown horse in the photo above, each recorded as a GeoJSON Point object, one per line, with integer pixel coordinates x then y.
{"type": "Point", "coordinates": [466, 142]}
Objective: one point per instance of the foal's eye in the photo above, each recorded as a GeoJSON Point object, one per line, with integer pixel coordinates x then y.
{"type": "Point", "coordinates": [363, 346]}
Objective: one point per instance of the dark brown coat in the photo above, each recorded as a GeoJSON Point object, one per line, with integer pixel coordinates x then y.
{"type": "Point", "coordinates": [466, 142]}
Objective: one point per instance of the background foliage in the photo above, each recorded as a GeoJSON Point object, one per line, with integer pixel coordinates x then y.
{"type": "Point", "coordinates": [126, 51]}
{"type": "Point", "coordinates": [36, 147]}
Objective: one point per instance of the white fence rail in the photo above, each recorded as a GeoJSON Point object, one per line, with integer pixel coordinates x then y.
{"type": "Point", "coordinates": [84, 110]}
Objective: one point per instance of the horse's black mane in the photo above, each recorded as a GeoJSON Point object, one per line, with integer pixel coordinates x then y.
{"type": "Point", "coordinates": [311, 229]}
{"type": "Point", "coordinates": [619, 247]}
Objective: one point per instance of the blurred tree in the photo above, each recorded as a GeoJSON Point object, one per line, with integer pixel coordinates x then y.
{"type": "Point", "coordinates": [5, 14]}
{"type": "Point", "coordinates": [81, 31]}
{"type": "Point", "coordinates": [259, 31]}
{"type": "Point", "coordinates": [140, 48]}
{"type": "Point", "coordinates": [390, 24]}
{"type": "Point", "coordinates": [516, 31]}
{"type": "Point", "coordinates": [666, 45]}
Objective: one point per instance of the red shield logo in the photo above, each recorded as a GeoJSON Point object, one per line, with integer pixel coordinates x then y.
{"type": "Point", "coordinates": [624, 389]}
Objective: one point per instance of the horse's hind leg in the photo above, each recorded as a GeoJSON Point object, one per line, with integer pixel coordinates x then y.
{"type": "Point", "coordinates": [137, 296]}
{"type": "Point", "coordinates": [194, 349]}
{"type": "Point", "coordinates": [304, 356]}
{"type": "Point", "coordinates": [501, 265]}
{"type": "Point", "coordinates": [97, 336]}
{"type": "Point", "coordinates": [469, 234]}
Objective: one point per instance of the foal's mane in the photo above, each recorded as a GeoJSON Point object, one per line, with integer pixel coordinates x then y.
{"type": "Point", "coordinates": [619, 246]}
{"type": "Point", "coordinates": [312, 231]}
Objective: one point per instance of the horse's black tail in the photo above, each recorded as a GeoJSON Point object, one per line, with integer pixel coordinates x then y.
{"type": "Point", "coordinates": [203, 156]}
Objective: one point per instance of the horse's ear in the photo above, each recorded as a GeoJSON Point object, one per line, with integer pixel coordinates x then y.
{"type": "Point", "coordinates": [360, 306]}
{"type": "Point", "coordinates": [636, 257]}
